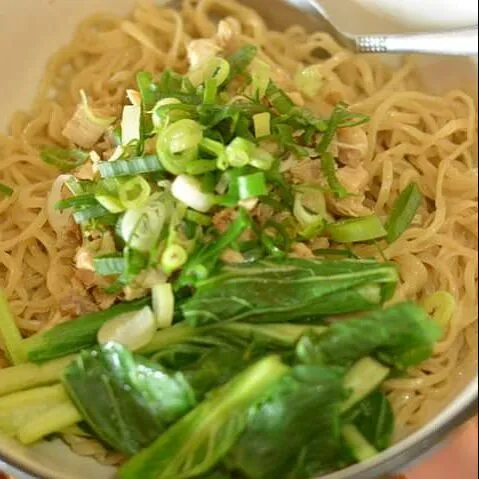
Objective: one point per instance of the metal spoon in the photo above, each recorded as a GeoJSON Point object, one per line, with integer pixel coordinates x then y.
{"type": "Point", "coordinates": [461, 42]}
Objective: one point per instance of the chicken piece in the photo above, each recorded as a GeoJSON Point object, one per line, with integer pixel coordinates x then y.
{"type": "Point", "coordinates": [223, 219]}
{"type": "Point", "coordinates": [307, 171]}
{"type": "Point", "coordinates": [84, 259]}
{"type": "Point", "coordinates": [232, 256]}
{"type": "Point", "coordinates": [300, 250]}
{"type": "Point", "coordinates": [85, 172]}
{"type": "Point", "coordinates": [81, 131]}
{"type": "Point", "coordinates": [77, 303]}
{"type": "Point", "coordinates": [200, 51]}
{"type": "Point", "coordinates": [355, 181]}
{"type": "Point", "coordinates": [353, 146]}
{"type": "Point", "coordinates": [102, 299]}
{"type": "Point", "coordinates": [228, 36]}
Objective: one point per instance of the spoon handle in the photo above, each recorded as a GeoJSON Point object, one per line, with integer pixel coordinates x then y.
{"type": "Point", "coordinates": [453, 42]}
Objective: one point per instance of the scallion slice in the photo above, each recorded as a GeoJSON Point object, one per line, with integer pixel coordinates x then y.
{"type": "Point", "coordinates": [217, 69]}
{"type": "Point", "coordinates": [9, 332]}
{"type": "Point", "coordinates": [183, 135]}
{"type": "Point", "coordinates": [211, 92]}
{"type": "Point", "coordinates": [131, 167]}
{"type": "Point", "coordinates": [356, 230]}
{"type": "Point", "coordinates": [241, 60]}
{"type": "Point", "coordinates": [173, 258]}
{"type": "Point", "coordinates": [134, 193]}
{"type": "Point", "coordinates": [328, 167]}
{"type": "Point", "coordinates": [148, 90]}
{"type": "Point", "coordinates": [188, 190]}
{"type": "Point", "coordinates": [252, 186]}
{"type": "Point", "coordinates": [198, 218]}
{"type": "Point", "coordinates": [403, 212]}
{"type": "Point", "coordinates": [262, 124]}
{"type": "Point", "coordinates": [92, 116]}
{"type": "Point", "coordinates": [62, 158]}
{"type": "Point", "coordinates": [163, 301]}
{"type": "Point", "coordinates": [5, 190]}
{"type": "Point", "coordinates": [90, 213]}
{"type": "Point", "coordinates": [260, 78]}
{"type": "Point", "coordinates": [76, 202]}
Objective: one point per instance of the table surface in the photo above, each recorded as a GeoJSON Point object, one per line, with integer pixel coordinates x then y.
{"type": "Point", "coordinates": [459, 459]}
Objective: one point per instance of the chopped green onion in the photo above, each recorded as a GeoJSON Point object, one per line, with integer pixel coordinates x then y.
{"type": "Point", "coordinates": [159, 118]}
{"type": "Point", "coordinates": [328, 167]}
{"type": "Point", "coordinates": [183, 135]}
{"type": "Point", "coordinates": [89, 213]}
{"type": "Point", "coordinates": [188, 190]}
{"type": "Point", "coordinates": [356, 230]}
{"type": "Point", "coordinates": [309, 80]}
{"type": "Point", "coordinates": [313, 201]}
{"type": "Point", "coordinates": [279, 99]}
{"type": "Point", "coordinates": [173, 258]}
{"type": "Point", "coordinates": [111, 203]}
{"type": "Point", "coordinates": [163, 301]}
{"type": "Point", "coordinates": [109, 265]}
{"type": "Point", "coordinates": [130, 167]}
{"type": "Point", "coordinates": [198, 218]}
{"type": "Point", "coordinates": [211, 92]}
{"type": "Point", "coordinates": [261, 76]}
{"type": "Point", "coordinates": [148, 90]}
{"type": "Point", "coordinates": [403, 212]}
{"type": "Point", "coordinates": [346, 253]}
{"type": "Point", "coordinates": [200, 167]}
{"type": "Point", "coordinates": [62, 158]}
{"type": "Point", "coordinates": [241, 60]}
{"type": "Point", "coordinates": [77, 187]}
{"type": "Point", "coordinates": [141, 228]}
{"type": "Point", "coordinates": [76, 202]}
{"type": "Point", "coordinates": [239, 152]}
{"type": "Point", "coordinates": [5, 190]}
{"type": "Point", "coordinates": [262, 159]}
{"type": "Point", "coordinates": [134, 193]}
{"type": "Point", "coordinates": [131, 124]}
{"type": "Point", "coordinates": [217, 69]}
{"type": "Point", "coordinates": [252, 186]}
{"type": "Point", "coordinates": [134, 330]}
{"type": "Point", "coordinates": [92, 117]}
{"type": "Point", "coordinates": [9, 332]}
{"type": "Point", "coordinates": [262, 124]}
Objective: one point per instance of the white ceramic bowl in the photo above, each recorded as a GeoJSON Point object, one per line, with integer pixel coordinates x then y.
{"type": "Point", "coordinates": [31, 30]}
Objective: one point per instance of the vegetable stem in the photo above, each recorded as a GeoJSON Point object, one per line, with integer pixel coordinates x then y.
{"type": "Point", "coordinates": [10, 333]}
{"type": "Point", "coordinates": [361, 449]}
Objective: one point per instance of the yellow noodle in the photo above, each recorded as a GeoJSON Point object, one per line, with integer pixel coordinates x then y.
{"type": "Point", "coordinates": [412, 136]}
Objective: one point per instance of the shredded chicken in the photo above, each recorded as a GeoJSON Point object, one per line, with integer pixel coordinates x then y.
{"type": "Point", "coordinates": [77, 303]}
{"type": "Point", "coordinates": [81, 131]}
{"type": "Point", "coordinates": [352, 146]}
{"type": "Point", "coordinates": [355, 181]}
{"type": "Point", "coordinates": [200, 51]}
{"type": "Point", "coordinates": [143, 283]}
{"type": "Point", "coordinates": [232, 256]}
{"type": "Point", "coordinates": [307, 171]}
{"type": "Point", "coordinates": [300, 250]}
{"type": "Point", "coordinates": [223, 219]}
{"type": "Point", "coordinates": [85, 172]}
{"type": "Point", "coordinates": [228, 36]}
{"type": "Point", "coordinates": [90, 447]}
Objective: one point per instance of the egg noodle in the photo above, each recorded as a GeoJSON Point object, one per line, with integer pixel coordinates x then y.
{"type": "Point", "coordinates": [412, 136]}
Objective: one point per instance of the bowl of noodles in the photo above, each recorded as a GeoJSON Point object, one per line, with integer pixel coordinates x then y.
{"type": "Point", "coordinates": [229, 247]}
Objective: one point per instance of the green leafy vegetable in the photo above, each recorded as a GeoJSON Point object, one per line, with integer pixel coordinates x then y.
{"type": "Point", "coordinates": [127, 401]}
{"type": "Point", "coordinates": [402, 335]}
{"type": "Point", "coordinates": [404, 210]}
{"type": "Point", "coordinates": [62, 158]}
{"type": "Point", "coordinates": [302, 408]}
{"type": "Point", "coordinates": [197, 442]}
{"type": "Point", "coordinates": [308, 288]}
{"type": "Point", "coordinates": [73, 336]}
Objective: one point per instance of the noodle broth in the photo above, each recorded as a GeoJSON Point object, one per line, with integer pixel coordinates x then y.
{"type": "Point", "coordinates": [412, 136]}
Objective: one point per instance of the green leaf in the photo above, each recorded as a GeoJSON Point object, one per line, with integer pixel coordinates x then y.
{"type": "Point", "coordinates": [127, 401]}
{"type": "Point", "coordinates": [402, 335]}
{"type": "Point", "coordinates": [374, 417]}
{"type": "Point", "coordinates": [197, 442]}
{"type": "Point", "coordinates": [305, 406]}
{"type": "Point", "coordinates": [404, 210]}
{"type": "Point", "coordinates": [288, 289]}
